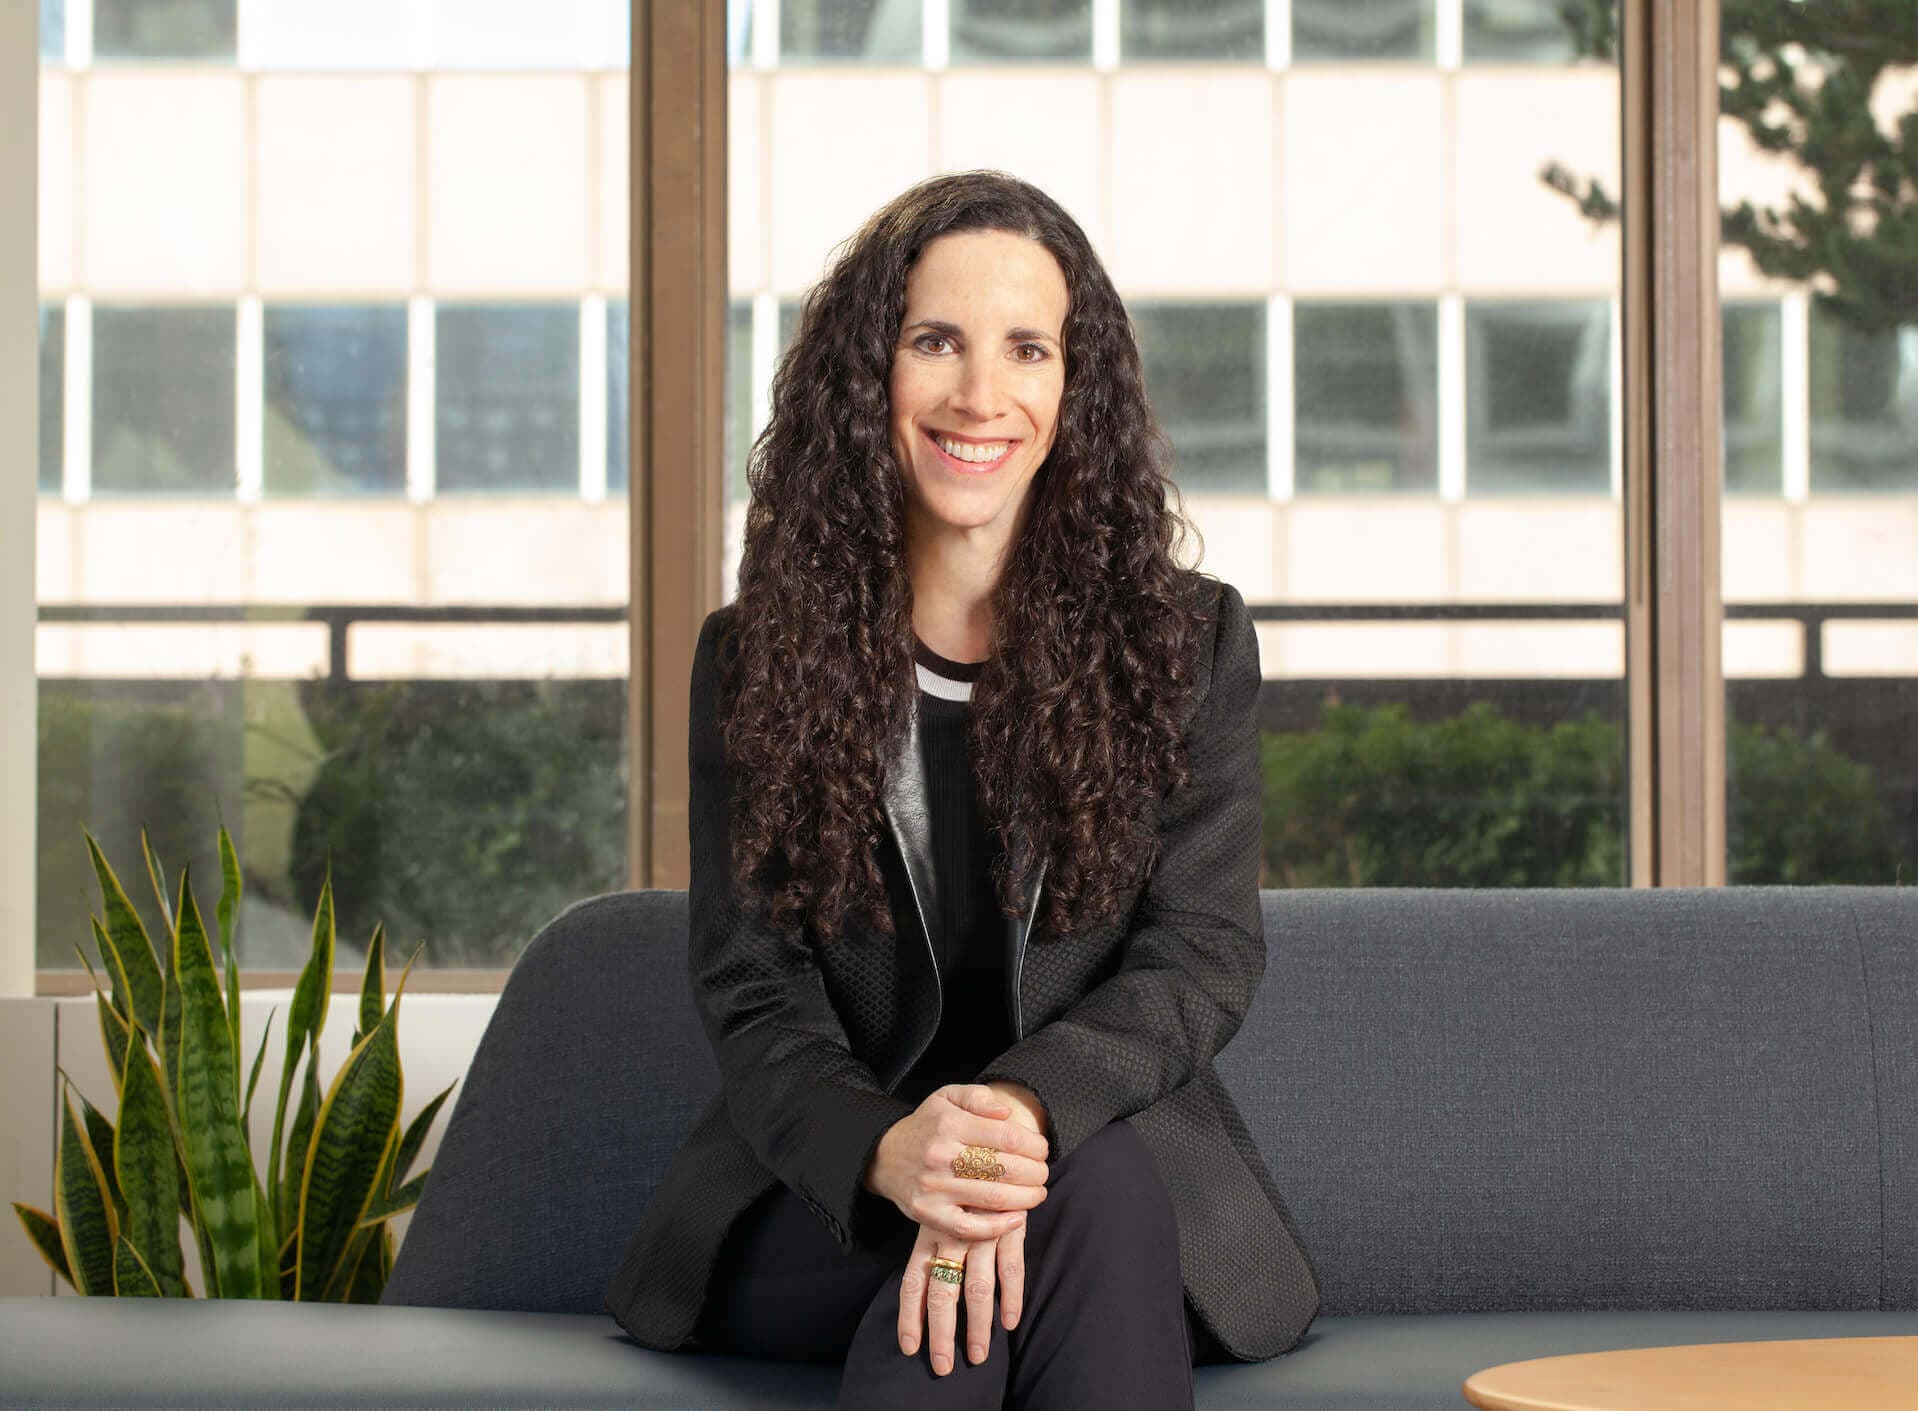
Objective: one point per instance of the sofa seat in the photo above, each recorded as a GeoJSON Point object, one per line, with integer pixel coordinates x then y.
{"type": "Point", "coordinates": [91, 1352]}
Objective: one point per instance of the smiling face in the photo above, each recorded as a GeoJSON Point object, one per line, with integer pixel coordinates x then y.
{"type": "Point", "coordinates": [980, 365]}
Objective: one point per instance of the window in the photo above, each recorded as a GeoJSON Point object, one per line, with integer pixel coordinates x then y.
{"type": "Point", "coordinates": [1361, 29]}
{"type": "Point", "coordinates": [870, 31]}
{"type": "Point", "coordinates": [618, 394]}
{"type": "Point", "coordinates": [1365, 397]}
{"type": "Point", "coordinates": [53, 383]}
{"type": "Point", "coordinates": [1205, 376]}
{"type": "Point", "coordinates": [163, 398]}
{"type": "Point", "coordinates": [740, 406]}
{"type": "Point", "coordinates": [1753, 430]}
{"type": "Point", "coordinates": [335, 400]}
{"type": "Point", "coordinates": [506, 405]}
{"type": "Point", "coordinates": [164, 29]}
{"type": "Point", "coordinates": [53, 30]}
{"type": "Point", "coordinates": [1013, 31]}
{"type": "Point", "coordinates": [1864, 406]}
{"type": "Point", "coordinates": [1518, 31]}
{"type": "Point", "coordinates": [1538, 397]}
{"type": "Point", "coordinates": [1179, 29]}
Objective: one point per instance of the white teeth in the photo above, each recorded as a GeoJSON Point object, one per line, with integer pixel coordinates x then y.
{"type": "Point", "coordinates": [961, 451]}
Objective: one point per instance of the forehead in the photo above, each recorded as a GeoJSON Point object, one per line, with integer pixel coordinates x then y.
{"type": "Point", "coordinates": [985, 276]}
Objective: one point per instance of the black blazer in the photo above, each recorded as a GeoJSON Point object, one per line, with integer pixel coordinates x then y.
{"type": "Point", "coordinates": [1118, 1021]}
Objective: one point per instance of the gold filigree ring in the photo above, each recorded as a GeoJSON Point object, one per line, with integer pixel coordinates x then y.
{"type": "Point", "coordinates": [978, 1163]}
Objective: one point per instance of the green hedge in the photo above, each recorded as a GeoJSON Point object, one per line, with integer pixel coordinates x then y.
{"type": "Point", "coordinates": [1373, 798]}
{"type": "Point", "coordinates": [466, 815]}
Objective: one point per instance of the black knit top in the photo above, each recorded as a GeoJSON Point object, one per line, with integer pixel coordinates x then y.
{"type": "Point", "coordinates": [968, 932]}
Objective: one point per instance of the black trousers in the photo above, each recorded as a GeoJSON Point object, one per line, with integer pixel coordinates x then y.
{"type": "Point", "coordinates": [1105, 1319]}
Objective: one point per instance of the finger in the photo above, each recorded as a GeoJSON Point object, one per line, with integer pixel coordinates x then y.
{"type": "Point", "coordinates": [977, 1097]}
{"type": "Point", "coordinates": [975, 1129]}
{"type": "Point", "coordinates": [981, 1278]}
{"type": "Point", "coordinates": [912, 1293]}
{"type": "Point", "coordinates": [1011, 1251]}
{"type": "Point", "coordinates": [954, 1223]}
{"type": "Point", "coordinates": [942, 1312]}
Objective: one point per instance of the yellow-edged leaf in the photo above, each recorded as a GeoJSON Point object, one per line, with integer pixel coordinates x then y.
{"type": "Point", "coordinates": [354, 1138]}
{"type": "Point", "coordinates": [127, 938]}
{"type": "Point", "coordinates": [131, 1276]}
{"type": "Point", "coordinates": [218, 1162]}
{"type": "Point", "coordinates": [147, 1169]}
{"type": "Point", "coordinates": [84, 1211]}
{"type": "Point", "coordinates": [44, 1231]}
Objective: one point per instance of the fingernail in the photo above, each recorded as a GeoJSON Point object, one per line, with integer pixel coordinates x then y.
{"type": "Point", "coordinates": [1017, 1221]}
{"type": "Point", "coordinates": [1012, 1321]}
{"type": "Point", "coordinates": [978, 1353]}
{"type": "Point", "coordinates": [912, 1346]}
{"type": "Point", "coordinates": [941, 1364]}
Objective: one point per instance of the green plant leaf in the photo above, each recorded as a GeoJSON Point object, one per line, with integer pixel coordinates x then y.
{"type": "Point", "coordinates": [129, 942]}
{"type": "Point", "coordinates": [303, 1023]}
{"type": "Point", "coordinates": [267, 1248]}
{"type": "Point", "coordinates": [253, 1078]}
{"type": "Point", "coordinates": [44, 1231]}
{"type": "Point", "coordinates": [398, 1203]}
{"type": "Point", "coordinates": [116, 973]}
{"type": "Point", "coordinates": [373, 987]}
{"type": "Point", "coordinates": [217, 1160]}
{"type": "Point", "coordinates": [88, 1226]}
{"type": "Point", "coordinates": [416, 1135]}
{"type": "Point", "coordinates": [131, 1276]}
{"type": "Point", "coordinates": [226, 912]}
{"type": "Point", "coordinates": [354, 1138]}
{"type": "Point", "coordinates": [115, 1034]}
{"type": "Point", "coordinates": [157, 876]}
{"type": "Point", "coordinates": [100, 1138]}
{"type": "Point", "coordinates": [143, 1157]}
{"type": "Point", "coordinates": [170, 1018]}
{"type": "Point", "coordinates": [300, 1142]}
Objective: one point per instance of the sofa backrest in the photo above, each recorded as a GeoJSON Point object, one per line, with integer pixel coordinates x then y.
{"type": "Point", "coordinates": [1472, 1100]}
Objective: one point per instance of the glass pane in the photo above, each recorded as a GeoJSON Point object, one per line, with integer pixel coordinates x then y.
{"type": "Point", "coordinates": [1366, 389]}
{"type": "Point", "coordinates": [739, 400]}
{"type": "Point", "coordinates": [1821, 572]}
{"type": "Point", "coordinates": [308, 35]}
{"type": "Point", "coordinates": [163, 400]}
{"type": "Point", "coordinates": [53, 30]}
{"type": "Point", "coordinates": [1538, 399]}
{"type": "Point", "coordinates": [507, 400]}
{"type": "Point", "coordinates": [1521, 31]}
{"type": "Point", "coordinates": [164, 29]}
{"type": "Point", "coordinates": [618, 395]}
{"type": "Point", "coordinates": [1864, 405]}
{"type": "Point", "coordinates": [1012, 31]}
{"type": "Point", "coordinates": [1364, 324]}
{"type": "Point", "coordinates": [1361, 29]}
{"type": "Point", "coordinates": [1754, 429]}
{"type": "Point", "coordinates": [296, 615]}
{"type": "Point", "coordinates": [1181, 29]}
{"type": "Point", "coordinates": [335, 400]}
{"type": "Point", "coordinates": [53, 388]}
{"type": "Point", "coordinates": [1205, 376]}
{"type": "Point", "coordinates": [873, 31]}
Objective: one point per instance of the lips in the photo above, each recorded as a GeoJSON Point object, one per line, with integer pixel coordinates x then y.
{"type": "Point", "coordinates": [969, 467]}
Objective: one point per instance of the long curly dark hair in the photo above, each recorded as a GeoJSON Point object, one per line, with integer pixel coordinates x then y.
{"type": "Point", "coordinates": [1076, 725]}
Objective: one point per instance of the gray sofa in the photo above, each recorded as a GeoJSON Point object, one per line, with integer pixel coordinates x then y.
{"type": "Point", "coordinates": [1509, 1124]}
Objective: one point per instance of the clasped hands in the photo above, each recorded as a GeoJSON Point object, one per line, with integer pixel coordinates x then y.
{"type": "Point", "coordinates": [961, 1217]}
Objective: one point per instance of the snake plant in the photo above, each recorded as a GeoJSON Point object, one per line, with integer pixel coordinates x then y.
{"type": "Point", "coordinates": [314, 1226]}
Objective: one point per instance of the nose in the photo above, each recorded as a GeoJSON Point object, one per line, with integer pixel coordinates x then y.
{"type": "Point", "coordinates": [978, 393]}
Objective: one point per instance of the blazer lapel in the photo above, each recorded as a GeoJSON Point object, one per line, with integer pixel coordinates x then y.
{"type": "Point", "coordinates": [909, 811]}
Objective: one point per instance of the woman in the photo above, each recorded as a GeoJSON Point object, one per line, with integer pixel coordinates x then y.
{"type": "Point", "coordinates": [964, 675]}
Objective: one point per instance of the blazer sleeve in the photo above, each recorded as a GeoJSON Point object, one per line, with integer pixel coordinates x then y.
{"type": "Point", "coordinates": [1195, 951]}
{"type": "Point", "coordinates": [811, 1112]}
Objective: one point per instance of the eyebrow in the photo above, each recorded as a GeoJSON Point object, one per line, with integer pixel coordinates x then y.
{"type": "Point", "coordinates": [952, 330]}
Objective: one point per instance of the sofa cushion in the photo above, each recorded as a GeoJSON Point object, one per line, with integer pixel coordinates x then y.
{"type": "Point", "coordinates": [87, 1352]}
{"type": "Point", "coordinates": [1472, 1100]}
